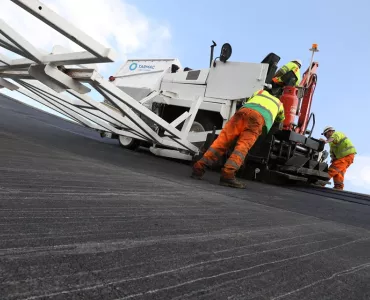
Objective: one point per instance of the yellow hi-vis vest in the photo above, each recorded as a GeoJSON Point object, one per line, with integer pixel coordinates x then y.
{"type": "Point", "coordinates": [268, 106]}
{"type": "Point", "coordinates": [341, 145]}
{"type": "Point", "coordinates": [289, 67]}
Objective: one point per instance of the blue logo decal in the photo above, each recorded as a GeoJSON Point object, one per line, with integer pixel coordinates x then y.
{"type": "Point", "coordinates": [133, 66]}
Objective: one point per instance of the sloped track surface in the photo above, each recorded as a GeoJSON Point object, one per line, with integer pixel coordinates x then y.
{"type": "Point", "coordinates": [81, 218]}
{"type": "Point", "coordinates": [340, 195]}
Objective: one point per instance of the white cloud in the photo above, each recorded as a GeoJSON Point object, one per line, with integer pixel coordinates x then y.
{"type": "Point", "coordinates": [358, 174]}
{"type": "Point", "coordinates": [113, 23]}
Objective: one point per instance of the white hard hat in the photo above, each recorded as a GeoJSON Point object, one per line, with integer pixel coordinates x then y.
{"type": "Point", "coordinates": [298, 61]}
{"type": "Point", "coordinates": [326, 129]}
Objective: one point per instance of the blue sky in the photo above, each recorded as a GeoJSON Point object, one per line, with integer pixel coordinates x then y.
{"type": "Point", "coordinates": [287, 28]}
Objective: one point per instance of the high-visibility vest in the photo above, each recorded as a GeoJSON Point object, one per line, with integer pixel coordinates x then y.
{"type": "Point", "coordinates": [341, 145]}
{"type": "Point", "coordinates": [269, 106]}
{"type": "Point", "coordinates": [290, 66]}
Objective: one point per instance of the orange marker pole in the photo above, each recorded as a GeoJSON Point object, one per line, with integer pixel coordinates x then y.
{"type": "Point", "coordinates": [314, 49]}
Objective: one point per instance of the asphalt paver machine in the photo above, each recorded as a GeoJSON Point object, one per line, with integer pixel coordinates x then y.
{"type": "Point", "coordinates": [176, 112]}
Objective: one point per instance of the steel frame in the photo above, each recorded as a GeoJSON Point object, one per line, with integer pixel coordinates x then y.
{"type": "Point", "coordinates": [45, 79]}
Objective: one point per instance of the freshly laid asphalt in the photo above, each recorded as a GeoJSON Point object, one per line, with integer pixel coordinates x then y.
{"type": "Point", "coordinates": [82, 218]}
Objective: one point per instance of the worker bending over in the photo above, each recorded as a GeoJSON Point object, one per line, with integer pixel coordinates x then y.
{"type": "Point", "coordinates": [258, 113]}
{"type": "Point", "coordinates": [294, 66]}
{"type": "Point", "coordinates": [342, 153]}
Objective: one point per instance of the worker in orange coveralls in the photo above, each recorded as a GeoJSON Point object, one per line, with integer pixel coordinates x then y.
{"type": "Point", "coordinates": [258, 113]}
{"type": "Point", "coordinates": [342, 153]}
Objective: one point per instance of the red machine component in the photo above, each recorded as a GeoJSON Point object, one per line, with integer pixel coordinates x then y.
{"type": "Point", "coordinates": [293, 107]}
{"type": "Point", "coordinates": [309, 84]}
{"type": "Point", "coordinates": [289, 99]}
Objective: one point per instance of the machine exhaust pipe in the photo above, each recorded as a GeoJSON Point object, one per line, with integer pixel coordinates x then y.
{"type": "Point", "coordinates": [212, 50]}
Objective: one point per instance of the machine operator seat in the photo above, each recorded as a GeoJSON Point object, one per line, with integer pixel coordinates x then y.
{"type": "Point", "coordinates": [272, 60]}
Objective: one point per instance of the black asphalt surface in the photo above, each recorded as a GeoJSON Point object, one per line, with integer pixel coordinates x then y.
{"type": "Point", "coordinates": [82, 218]}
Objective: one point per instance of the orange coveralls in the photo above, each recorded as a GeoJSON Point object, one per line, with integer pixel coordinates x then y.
{"type": "Point", "coordinates": [338, 168]}
{"type": "Point", "coordinates": [246, 126]}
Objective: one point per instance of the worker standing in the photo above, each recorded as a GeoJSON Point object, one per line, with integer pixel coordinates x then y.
{"type": "Point", "coordinates": [295, 66]}
{"type": "Point", "coordinates": [256, 115]}
{"type": "Point", "coordinates": [342, 153]}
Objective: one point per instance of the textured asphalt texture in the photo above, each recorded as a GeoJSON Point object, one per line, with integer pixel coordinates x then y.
{"type": "Point", "coordinates": [82, 218]}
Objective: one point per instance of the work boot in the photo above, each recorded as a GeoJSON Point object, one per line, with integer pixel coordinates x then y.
{"type": "Point", "coordinates": [232, 183]}
{"type": "Point", "coordinates": [197, 174]}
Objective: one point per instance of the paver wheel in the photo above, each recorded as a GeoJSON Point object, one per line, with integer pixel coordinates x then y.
{"type": "Point", "coordinates": [128, 142]}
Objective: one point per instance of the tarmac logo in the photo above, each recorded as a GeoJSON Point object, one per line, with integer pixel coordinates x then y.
{"type": "Point", "coordinates": [134, 66]}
